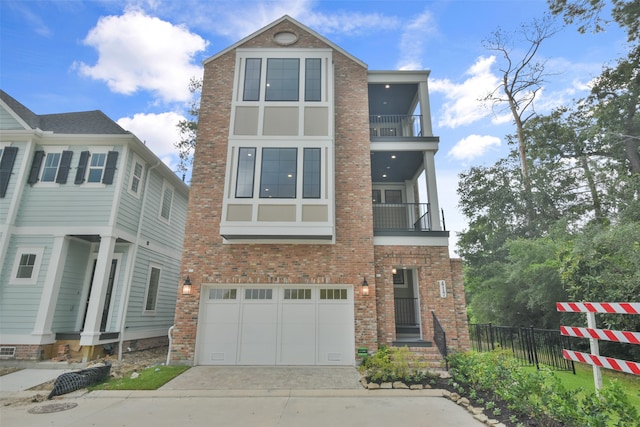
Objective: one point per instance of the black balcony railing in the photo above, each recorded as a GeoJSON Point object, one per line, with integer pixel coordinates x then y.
{"type": "Point", "coordinates": [401, 216]}
{"type": "Point", "coordinates": [440, 338]}
{"type": "Point", "coordinates": [406, 311]}
{"type": "Point", "coordinates": [395, 125]}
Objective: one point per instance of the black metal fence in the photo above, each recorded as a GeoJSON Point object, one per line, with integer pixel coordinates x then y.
{"type": "Point", "coordinates": [533, 346]}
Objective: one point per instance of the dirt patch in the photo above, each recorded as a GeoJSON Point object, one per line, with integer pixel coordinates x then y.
{"type": "Point", "coordinates": [134, 361]}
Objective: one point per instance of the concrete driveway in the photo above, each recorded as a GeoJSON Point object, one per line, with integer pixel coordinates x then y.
{"type": "Point", "coordinates": [243, 396]}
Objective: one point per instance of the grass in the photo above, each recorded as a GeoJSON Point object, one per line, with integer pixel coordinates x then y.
{"type": "Point", "coordinates": [150, 379]}
{"type": "Point", "coordinates": [584, 378]}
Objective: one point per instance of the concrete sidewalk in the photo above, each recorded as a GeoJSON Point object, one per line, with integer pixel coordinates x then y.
{"type": "Point", "coordinates": [241, 408]}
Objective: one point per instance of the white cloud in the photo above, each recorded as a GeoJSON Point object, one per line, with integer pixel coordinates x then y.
{"type": "Point", "coordinates": [473, 146]}
{"type": "Point", "coordinates": [140, 52]}
{"type": "Point", "coordinates": [157, 131]}
{"type": "Point", "coordinates": [413, 39]}
{"type": "Point", "coordinates": [462, 104]}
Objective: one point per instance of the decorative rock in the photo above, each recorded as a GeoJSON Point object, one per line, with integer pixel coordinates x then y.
{"type": "Point", "coordinates": [399, 384]}
{"type": "Point", "coordinates": [481, 417]}
{"type": "Point", "coordinates": [134, 375]}
{"type": "Point", "coordinates": [492, 423]}
{"type": "Point", "coordinates": [416, 387]}
{"type": "Point", "coordinates": [427, 386]}
{"type": "Point", "coordinates": [463, 402]}
{"type": "Point", "coordinates": [454, 396]}
{"type": "Point", "coordinates": [446, 393]}
{"type": "Point", "coordinates": [386, 385]}
{"type": "Point", "coordinates": [373, 386]}
{"type": "Point", "coordinates": [475, 411]}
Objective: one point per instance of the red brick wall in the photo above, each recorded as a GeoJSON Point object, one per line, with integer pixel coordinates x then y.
{"type": "Point", "coordinates": [207, 260]}
{"type": "Point", "coordinates": [431, 263]}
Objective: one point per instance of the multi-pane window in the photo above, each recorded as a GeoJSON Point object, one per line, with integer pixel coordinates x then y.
{"type": "Point", "coordinates": [136, 176]}
{"type": "Point", "coordinates": [283, 79]}
{"type": "Point", "coordinates": [312, 79]}
{"type": "Point", "coordinates": [222, 294]}
{"type": "Point", "coordinates": [152, 289]}
{"type": "Point", "coordinates": [96, 167]}
{"type": "Point", "coordinates": [290, 294]}
{"type": "Point", "coordinates": [167, 199]}
{"type": "Point", "coordinates": [278, 173]}
{"type": "Point", "coordinates": [246, 171]}
{"type": "Point", "coordinates": [259, 294]}
{"type": "Point", "coordinates": [311, 173]}
{"type": "Point", "coordinates": [252, 79]}
{"type": "Point", "coordinates": [333, 294]}
{"type": "Point", "coordinates": [50, 168]}
{"type": "Point", "coordinates": [25, 266]}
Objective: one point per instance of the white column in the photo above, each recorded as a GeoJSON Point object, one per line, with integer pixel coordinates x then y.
{"type": "Point", "coordinates": [432, 190]}
{"type": "Point", "coordinates": [51, 289]}
{"type": "Point", "coordinates": [91, 333]}
{"type": "Point", "coordinates": [425, 109]}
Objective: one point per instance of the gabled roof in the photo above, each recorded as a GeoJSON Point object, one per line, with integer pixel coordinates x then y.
{"type": "Point", "coordinates": [296, 23]}
{"type": "Point", "coordinates": [85, 122]}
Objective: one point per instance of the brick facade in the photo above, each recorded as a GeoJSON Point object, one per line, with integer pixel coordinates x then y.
{"type": "Point", "coordinates": [207, 260]}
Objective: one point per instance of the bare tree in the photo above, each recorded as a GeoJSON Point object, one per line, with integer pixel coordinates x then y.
{"type": "Point", "coordinates": [523, 76]}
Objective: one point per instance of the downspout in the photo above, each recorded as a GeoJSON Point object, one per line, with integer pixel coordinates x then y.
{"type": "Point", "coordinates": [135, 254]}
{"type": "Point", "coordinates": [170, 342]}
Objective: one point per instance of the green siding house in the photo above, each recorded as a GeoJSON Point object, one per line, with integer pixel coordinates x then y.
{"type": "Point", "coordinates": [91, 231]}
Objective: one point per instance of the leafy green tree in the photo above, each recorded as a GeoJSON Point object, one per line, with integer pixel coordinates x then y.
{"type": "Point", "coordinates": [188, 128]}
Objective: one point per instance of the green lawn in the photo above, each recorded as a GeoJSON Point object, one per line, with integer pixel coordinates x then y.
{"type": "Point", "coordinates": [149, 379]}
{"type": "Point", "coordinates": [584, 378]}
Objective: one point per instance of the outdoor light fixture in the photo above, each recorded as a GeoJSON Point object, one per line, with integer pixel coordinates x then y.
{"type": "Point", "coordinates": [365, 287]}
{"type": "Point", "coordinates": [186, 286]}
{"type": "Point", "coordinates": [394, 270]}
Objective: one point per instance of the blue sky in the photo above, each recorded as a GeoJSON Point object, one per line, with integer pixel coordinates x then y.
{"type": "Point", "coordinates": [133, 60]}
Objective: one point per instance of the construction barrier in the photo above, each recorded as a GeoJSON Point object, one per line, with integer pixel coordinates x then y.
{"type": "Point", "coordinates": [593, 334]}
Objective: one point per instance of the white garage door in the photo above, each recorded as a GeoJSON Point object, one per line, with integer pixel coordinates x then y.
{"type": "Point", "coordinates": [297, 325]}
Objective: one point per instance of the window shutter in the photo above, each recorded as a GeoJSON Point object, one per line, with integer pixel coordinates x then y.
{"type": "Point", "coordinates": [82, 167]}
{"type": "Point", "coordinates": [110, 167]}
{"type": "Point", "coordinates": [6, 167]}
{"type": "Point", "coordinates": [38, 156]}
{"type": "Point", "coordinates": [65, 165]}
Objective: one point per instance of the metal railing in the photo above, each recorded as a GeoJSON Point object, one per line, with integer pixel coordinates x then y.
{"type": "Point", "coordinates": [533, 346]}
{"type": "Point", "coordinates": [391, 125]}
{"type": "Point", "coordinates": [406, 311]}
{"type": "Point", "coordinates": [440, 338]}
{"type": "Point", "coordinates": [401, 216]}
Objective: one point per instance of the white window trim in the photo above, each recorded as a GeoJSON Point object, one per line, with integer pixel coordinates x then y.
{"type": "Point", "coordinates": [146, 289]}
{"type": "Point", "coordinates": [92, 151]}
{"type": "Point", "coordinates": [47, 151]}
{"type": "Point", "coordinates": [33, 280]}
{"type": "Point", "coordinates": [166, 185]}
{"type": "Point", "coordinates": [136, 159]}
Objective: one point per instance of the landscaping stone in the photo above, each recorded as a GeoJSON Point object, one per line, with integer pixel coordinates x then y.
{"type": "Point", "coordinates": [481, 417]}
{"type": "Point", "coordinates": [400, 385]}
{"type": "Point", "coordinates": [386, 386]}
{"type": "Point", "coordinates": [463, 402]}
{"type": "Point", "coordinates": [454, 397]}
{"type": "Point", "coordinates": [416, 387]}
{"type": "Point", "coordinates": [373, 386]}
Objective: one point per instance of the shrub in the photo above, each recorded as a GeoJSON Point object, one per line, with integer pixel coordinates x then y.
{"type": "Point", "coordinates": [396, 364]}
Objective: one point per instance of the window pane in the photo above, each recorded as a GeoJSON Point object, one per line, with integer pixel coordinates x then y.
{"type": "Point", "coordinates": [393, 196]}
{"type": "Point", "coordinates": [278, 174]}
{"type": "Point", "coordinates": [152, 290]}
{"type": "Point", "coordinates": [252, 79]}
{"type": "Point", "coordinates": [283, 76]}
{"type": "Point", "coordinates": [376, 196]}
{"type": "Point", "coordinates": [25, 269]}
{"type": "Point", "coordinates": [312, 84]}
{"type": "Point", "coordinates": [96, 167]}
{"type": "Point", "coordinates": [311, 173]}
{"type": "Point", "coordinates": [137, 175]}
{"type": "Point", "coordinates": [246, 171]}
{"type": "Point", "coordinates": [166, 203]}
{"type": "Point", "coordinates": [50, 167]}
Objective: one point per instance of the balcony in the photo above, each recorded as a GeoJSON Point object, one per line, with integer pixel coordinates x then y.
{"type": "Point", "coordinates": [395, 125]}
{"type": "Point", "coordinates": [401, 217]}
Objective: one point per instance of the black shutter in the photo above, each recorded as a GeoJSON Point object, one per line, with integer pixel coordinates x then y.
{"type": "Point", "coordinates": [38, 156]}
{"type": "Point", "coordinates": [82, 167]}
{"type": "Point", "coordinates": [110, 167]}
{"type": "Point", "coordinates": [65, 165]}
{"type": "Point", "coordinates": [6, 167]}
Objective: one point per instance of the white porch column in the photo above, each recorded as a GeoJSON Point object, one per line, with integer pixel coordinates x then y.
{"type": "Point", "coordinates": [91, 333]}
{"type": "Point", "coordinates": [49, 297]}
{"type": "Point", "coordinates": [425, 108]}
{"type": "Point", "coordinates": [432, 190]}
